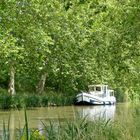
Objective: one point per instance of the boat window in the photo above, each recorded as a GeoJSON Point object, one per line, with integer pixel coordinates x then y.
{"type": "Point", "coordinates": [97, 88]}
{"type": "Point", "coordinates": [91, 88]}
{"type": "Point", "coordinates": [111, 92]}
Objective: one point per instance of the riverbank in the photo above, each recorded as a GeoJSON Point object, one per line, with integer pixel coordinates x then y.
{"type": "Point", "coordinates": [35, 100]}
{"type": "Point", "coordinates": [48, 98]}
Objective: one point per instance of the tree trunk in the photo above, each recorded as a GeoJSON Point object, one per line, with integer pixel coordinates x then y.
{"type": "Point", "coordinates": [11, 88]}
{"type": "Point", "coordinates": [41, 83]}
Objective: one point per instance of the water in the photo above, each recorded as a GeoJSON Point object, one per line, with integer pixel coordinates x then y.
{"type": "Point", "coordinates": [37, 115]}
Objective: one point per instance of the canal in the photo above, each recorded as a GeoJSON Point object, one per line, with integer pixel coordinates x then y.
{"type": "Point", "coordinates": [36, 116]}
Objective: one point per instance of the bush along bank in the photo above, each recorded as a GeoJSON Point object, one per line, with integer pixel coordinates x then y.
{"type": "Point", "coordinates": [33, 100]}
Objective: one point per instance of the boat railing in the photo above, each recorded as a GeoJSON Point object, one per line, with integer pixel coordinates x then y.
{"type": "Point", "coordinates": [98, 94]}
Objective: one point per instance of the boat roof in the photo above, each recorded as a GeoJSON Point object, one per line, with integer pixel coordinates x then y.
{"type": "Point", "coordinates": [111, 90]}
{"type": "Point", "coordinates": [100, 85]}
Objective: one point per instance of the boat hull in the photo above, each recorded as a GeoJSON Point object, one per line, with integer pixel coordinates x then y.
{"type": "Point", "coordinates": [89, 99]}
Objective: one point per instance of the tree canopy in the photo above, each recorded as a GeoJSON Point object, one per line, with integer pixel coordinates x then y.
{"type": "Point", "coordinates": [67, 44]}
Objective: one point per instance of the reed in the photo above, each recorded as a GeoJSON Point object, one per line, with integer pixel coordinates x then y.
{"type": "Point", "coordinates": [6, 130]}
{"type": "Point", "coordinates": [80, 129]}
{"type": "Point", "coordinates": [34, 100]}
{"type": "Point", "coordinates": [60, 99]}
{"type": "Point", "coordinates": [5, 101]}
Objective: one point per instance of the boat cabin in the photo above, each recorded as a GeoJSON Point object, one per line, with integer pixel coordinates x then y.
{"type": "Point", "coordinates": [111, 92]}
{"type": "Point", "coordinates": [100, 90]}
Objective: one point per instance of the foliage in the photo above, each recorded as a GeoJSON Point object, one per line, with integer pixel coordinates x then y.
{"type": "Point", "coordinates": [32, 100]}
{"type": "Point", "coordinates": [5, 101]}
{"type": "Point", "coordinates": [75, 43]}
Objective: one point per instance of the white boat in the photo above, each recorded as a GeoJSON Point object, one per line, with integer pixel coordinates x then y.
{"type": "Point", "coordinates": [97, 95]}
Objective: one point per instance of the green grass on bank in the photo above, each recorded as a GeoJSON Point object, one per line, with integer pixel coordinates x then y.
{"type": "Point", "coordinates": [48, 98]}
{"type": "Point", "coordinates": [34, 100]}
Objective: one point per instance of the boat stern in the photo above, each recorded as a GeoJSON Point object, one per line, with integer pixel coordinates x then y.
{"type": "Point", "coordinates": [81, 99]}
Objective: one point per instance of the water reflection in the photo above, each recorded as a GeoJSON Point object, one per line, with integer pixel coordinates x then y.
{"type": "Point", "coordinates": [35, 116]}
{"type": "Point", "coordinates": [97, 112]}
{"type": "Point", "coordinates": [127, 115]}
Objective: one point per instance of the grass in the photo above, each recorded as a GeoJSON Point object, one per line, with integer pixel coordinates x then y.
{"type": "Point", "coordinates": [6, 130]}
{"type": "Point", "coordinates": [34, 100]}
{"type": "Point", "coordinates": [83, 129]}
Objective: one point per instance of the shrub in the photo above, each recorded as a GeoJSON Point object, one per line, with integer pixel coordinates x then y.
{"type": "Point", "coordinates": [18, 101]}
{"type": "Point", "coordinates": [5, 101]}
{"type": "Point", "coordinates": [32, 101]}
{"type": "Point", "coordinates": [44, 101]}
